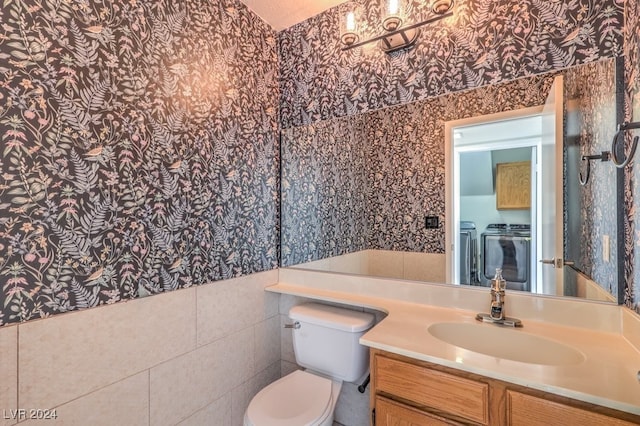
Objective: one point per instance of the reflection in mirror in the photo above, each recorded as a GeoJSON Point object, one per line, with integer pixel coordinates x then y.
{"type": "Point", "coordinates": [530, 251]}
{"type": "Point", "coordinates": [496, 201]}
{"type": "Point", "coordinates": [357, 191]}
{"type": "Point", "coordinates": [593, 101]}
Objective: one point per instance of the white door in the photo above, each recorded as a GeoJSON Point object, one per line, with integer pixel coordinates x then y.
{"type": "Point", "coordinates": [550, 214]}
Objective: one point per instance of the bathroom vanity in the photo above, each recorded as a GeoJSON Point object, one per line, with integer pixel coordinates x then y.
{"type": "Point", "coordinates": [406, 391]}
{"type": "Point", "coordinates": [572, 362]}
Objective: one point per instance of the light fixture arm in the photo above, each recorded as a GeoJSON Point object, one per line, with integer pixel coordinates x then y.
{"type": "Point", "coordinates": [401, 31]}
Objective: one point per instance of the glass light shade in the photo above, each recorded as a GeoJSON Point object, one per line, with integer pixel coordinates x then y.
{"type": "Point", "coordinates": [393, 7]}
{"type": "Point", "coordinates": [392, 15]}
{"type": "Point", "coordinates": [349, 36]}
{"type": "Point", "coordinates": [350, 22]}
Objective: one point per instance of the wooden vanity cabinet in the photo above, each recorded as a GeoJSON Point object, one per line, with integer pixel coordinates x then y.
{"type": "Point", "coordinates": [409, 392]}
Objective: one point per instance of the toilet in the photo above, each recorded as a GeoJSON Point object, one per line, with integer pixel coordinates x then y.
{"type": "Point", "coordinates": [325, 342]}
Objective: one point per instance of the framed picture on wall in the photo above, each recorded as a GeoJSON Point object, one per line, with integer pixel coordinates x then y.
{"type": "Point", "coordinates": [513, 185]}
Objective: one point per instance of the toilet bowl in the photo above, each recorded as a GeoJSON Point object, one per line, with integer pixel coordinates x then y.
{"type": "Point", "coordinates": [298, 399]}
{"type": "Point", "coordinates": [326, 343]}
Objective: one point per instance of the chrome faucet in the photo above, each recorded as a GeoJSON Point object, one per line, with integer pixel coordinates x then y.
{"type": "Point", "coordinates": [498, 284]}
{"type": "Point", "coordinates": [496, 313]}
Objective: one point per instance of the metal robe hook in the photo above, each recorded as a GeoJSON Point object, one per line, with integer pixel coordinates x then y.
{"type": "Point", "coordinates": [614, 145]}
{"type": "Point", "coordinates": [603, 156]}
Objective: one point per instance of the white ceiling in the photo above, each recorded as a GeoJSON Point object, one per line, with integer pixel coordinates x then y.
{"type": "Point", "coordinates": [281, 14]}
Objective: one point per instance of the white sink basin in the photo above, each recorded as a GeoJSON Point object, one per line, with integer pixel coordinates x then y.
{"type": "Point", "coordinates": [505, 343]}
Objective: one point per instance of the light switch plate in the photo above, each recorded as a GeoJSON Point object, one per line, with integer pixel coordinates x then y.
{"type": "Point", "coordinates": [432, 222]}
{"type": "Point", "coordinates": [606, 248]}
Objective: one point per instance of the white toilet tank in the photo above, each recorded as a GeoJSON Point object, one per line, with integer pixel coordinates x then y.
{"type": "Point", "coordinates": [327, 340]}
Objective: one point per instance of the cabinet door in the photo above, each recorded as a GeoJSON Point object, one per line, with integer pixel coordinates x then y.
{"type": "Point", "coordinates": [527, 410]}
{"type": "Point", "coordinates": [443, 392]}
{"type": "Point", "coordinates": [391, 413]}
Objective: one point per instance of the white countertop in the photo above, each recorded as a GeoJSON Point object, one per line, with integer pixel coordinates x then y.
{"type": "Point", "coordinates": [607, 377]}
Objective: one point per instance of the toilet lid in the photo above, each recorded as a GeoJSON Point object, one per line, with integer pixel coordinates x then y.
{"type": "Point", "coordinates": [298, 399]}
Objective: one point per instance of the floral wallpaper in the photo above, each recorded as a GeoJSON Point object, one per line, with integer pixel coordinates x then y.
{"type": "Point", "coordinates": [324, 202]}
{"type": "Point", "coordinates": [383, 169]}
{"type": "Point", "coordinates": [485, 42]}
{"type": "Point", "coordinates": [632, 172]}
{"type": "Point", "coordinates": [137, 156]}
{"type": "Point", "coordinates": [590, 117]}
{"type": "Point", "coordinates": [406, 174]}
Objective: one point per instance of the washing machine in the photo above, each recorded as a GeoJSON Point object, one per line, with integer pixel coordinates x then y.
{"type": "Point", "coordinates": [468, 253]}
{"type": "Point", "coordinates": [507, 247]}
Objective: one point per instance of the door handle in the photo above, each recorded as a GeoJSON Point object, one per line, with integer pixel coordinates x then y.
{"type": "Point", "coordinates": [557, 262]}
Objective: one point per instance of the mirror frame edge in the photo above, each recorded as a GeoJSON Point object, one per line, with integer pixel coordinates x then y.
{"type": "Point", "coordinates": [621, 212]}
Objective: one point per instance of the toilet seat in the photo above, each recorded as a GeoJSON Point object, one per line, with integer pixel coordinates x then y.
{"type": "Point", "coordinates": [298, 399]}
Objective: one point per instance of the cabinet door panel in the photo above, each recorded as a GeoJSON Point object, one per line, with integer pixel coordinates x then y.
{"type": "Point", "coordinates": [444, 392]}
{"type": "Point", "coordinates": [527, 410]}
{"type": "Point", "coordinates": [391, 413]}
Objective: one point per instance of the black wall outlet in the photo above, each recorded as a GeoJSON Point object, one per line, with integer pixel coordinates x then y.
{"type": "Point", "coordinates": [432, 222]}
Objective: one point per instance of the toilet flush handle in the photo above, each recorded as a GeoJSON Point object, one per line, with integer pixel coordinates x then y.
{"type": "Point", "coordinates": [295, 325]}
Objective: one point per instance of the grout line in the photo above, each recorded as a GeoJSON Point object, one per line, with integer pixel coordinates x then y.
{"type": "Point", "coordinates": [196, 311]}
{"type": "Point", "coordinates": [18, 367]}
{"type": "Point", "coordinates": [255, 349]}
{"type": "Point", "coordinates": [203, 408]}
{"type": "Point", "coordinates": [62, 404]}
{"type": "Point", "coordinates": [149, 396]}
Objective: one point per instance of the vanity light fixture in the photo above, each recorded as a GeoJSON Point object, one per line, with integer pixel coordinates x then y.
{"type": "Point", "coordinates": [395, 36]}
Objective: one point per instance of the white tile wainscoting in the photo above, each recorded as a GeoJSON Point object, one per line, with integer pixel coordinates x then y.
{"type": "Point", "coordinates": [195, 356]}
{"type": "Point", "coordinates": [428, 267]}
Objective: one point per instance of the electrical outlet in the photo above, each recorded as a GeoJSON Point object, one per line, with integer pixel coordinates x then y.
{"type": "Point", "coordinates": [432, 222]}
{"type": "Point", "coordinates": [606, 248]}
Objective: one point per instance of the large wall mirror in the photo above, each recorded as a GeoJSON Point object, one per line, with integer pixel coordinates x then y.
{"type": "Point", "coordinates": [365, 194]}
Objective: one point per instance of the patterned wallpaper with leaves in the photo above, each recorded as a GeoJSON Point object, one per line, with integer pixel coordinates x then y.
{"type": "Point", "coordinates": [382, 170]}
{"type": "Point", "coordinates": [138, 155]}
{"type": "Point", "coordinates": [324, 202]}
{"type": "Point", "coordinates": [486, 42]}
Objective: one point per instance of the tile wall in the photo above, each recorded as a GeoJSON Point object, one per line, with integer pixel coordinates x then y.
{"type": "Point", "coordinates": [190, 357]}
{"type": "Point", "coordinates": [428, 267]}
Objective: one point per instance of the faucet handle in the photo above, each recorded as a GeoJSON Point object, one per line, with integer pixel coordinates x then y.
{"type": "Point", "coordinates": [498, 283]}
